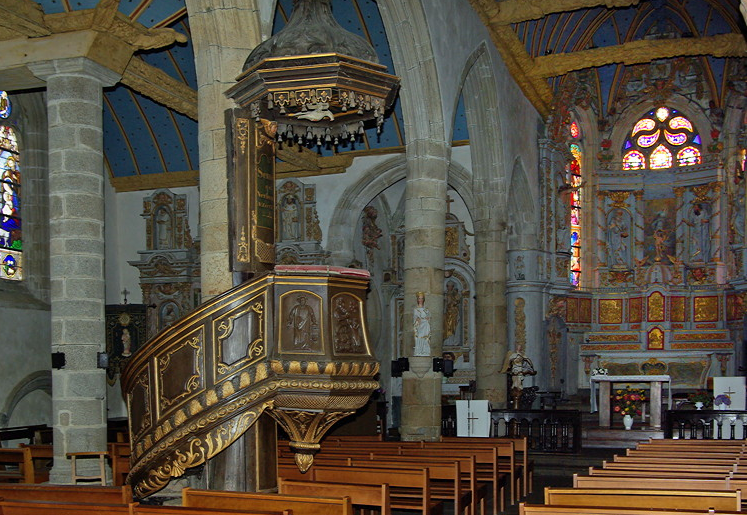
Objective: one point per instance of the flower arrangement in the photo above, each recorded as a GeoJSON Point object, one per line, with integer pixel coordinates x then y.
{"type": "Point", "coordinates": [628, 401]}
{"type": "Point", "coordinates": [601, 371]}
{"type": "Point", "coordinates": [722, 399]}
{"type": "Point", "coordinates": [700, 396]}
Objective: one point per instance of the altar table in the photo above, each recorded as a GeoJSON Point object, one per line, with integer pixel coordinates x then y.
{"type": "Point", "coordinates": [605, 384]}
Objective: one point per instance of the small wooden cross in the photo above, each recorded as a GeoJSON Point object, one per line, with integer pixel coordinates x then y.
{"type": "Point", "coordinates": [449, 200]}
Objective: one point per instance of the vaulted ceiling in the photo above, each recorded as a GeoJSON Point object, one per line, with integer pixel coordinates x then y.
{"type": "Point", "coordinates": [150, 119]}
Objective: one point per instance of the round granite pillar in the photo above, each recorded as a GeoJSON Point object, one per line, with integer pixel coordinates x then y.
{"type": "Point", "coordinates": [76, 186]}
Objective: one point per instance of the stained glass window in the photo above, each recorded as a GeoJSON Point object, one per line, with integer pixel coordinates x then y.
{"type": "Point", "coordinates": [11, 264]}
{"type": "Point", "coordinates": [661, 157]}
{"type": "Point", "coordinates": [634, 160]}
{"type": "Point", "coordinates": [576, 180]}
{"type": "Point", "coordinates": [644, 148]}
{"type": "Point", "coordinates": [688, 156]}
{"type": "Point", "coordinates": [575, 131]}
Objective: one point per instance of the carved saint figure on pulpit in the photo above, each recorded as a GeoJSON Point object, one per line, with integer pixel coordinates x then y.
{"type": "Point", "coordinates": [303, 322]}
{"type": "Point", "coordinates": [422, 326]}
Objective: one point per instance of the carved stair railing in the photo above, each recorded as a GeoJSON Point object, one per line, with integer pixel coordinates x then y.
{"type": "Point", "coordinates": [292, 343]}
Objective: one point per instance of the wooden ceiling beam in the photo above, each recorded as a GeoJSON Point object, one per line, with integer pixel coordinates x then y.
{"type": "Point", "coordinates": [161, 87]}
{"type": "Point", "coordinates": [637, 52]}
{"type": "Point", "coordinates": [23, 18]}
{"type": "Point", "coordinates": [517, 11]}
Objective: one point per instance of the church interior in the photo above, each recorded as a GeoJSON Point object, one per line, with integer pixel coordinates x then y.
{"type": "Point", "coordinates": [228, 220]}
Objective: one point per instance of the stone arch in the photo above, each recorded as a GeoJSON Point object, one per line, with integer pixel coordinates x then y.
{"type": "Point", "coordinates": [39, 380]}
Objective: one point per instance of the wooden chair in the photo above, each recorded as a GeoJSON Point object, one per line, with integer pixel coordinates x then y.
{"type": "Point", "coordinates": [101, 476]}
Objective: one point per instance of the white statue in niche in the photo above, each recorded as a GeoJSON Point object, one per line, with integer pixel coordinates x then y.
{"type": "Point", "coordinates": [290, 218]}
{"type": "Point", "coordinates": [163, 229]}
{"type": "Point", "coordinates": [618, 232]}
{"type": "Point", "coordinates": [422, 326]}
{"type": "Point", "coordinates": [700, 232]}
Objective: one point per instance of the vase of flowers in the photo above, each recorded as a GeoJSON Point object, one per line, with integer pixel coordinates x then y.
{"type": "Point", "coordinates": [722, 402]}
{"type": "Point", "coordinates": [628, 402]}
{"type": "Point", "coordinates": [701, 399]}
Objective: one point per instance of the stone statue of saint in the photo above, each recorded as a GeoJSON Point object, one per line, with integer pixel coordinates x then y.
{"type": "Point", "coordinates": [303, 322]}
{"type": "Point", "coordinates": [289, 218]}
{"type": "Point", "coordinates": [700, 232]}
{"type": "Point", "coordinates": [617, 240]}
{"type": "Point", "coordinates": [422, 327]}
{"type": "Point", "coordinates": [163, 226]}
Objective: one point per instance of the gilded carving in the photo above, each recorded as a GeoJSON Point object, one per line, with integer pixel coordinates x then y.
{"type": "Point", "coordinates": [243, 246]}
{"type": "Point", "coordinates": [618, 198]}
{"type": "Point", "coordinates": [610, 346]}
{"type": "Point", "coordinates": [242, 133]}
{"type": "Point", "coordinates": [677, 311]}
{"type": "Point", "coordinates": [557, 307]}
{"type": "Point", "coordinates": [700, 336]}
{"type": "Point", "coordinates": [256, 347]}
{"type": "Point", "coordinates": [656, 339]}
{"type": "Point", "coordinates": [610, 311]}
{"type": "Point", "coordinates": [617, 337]}
{"type": "Point", "coordinates": [584, 311]}
{"type": "Point", "coordinates": [635, 310]}
{"type": "Point", "coordinates": [520, 330]}
{"type": "Point", "coordinates": [702, 345]}
{"type": "Point", "coordinates": [705, 309]}
{"type": "Point", "coordinates": [655, 307]}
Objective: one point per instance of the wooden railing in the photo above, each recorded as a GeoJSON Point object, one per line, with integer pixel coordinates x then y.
{"type": "Point", "coordinates": [546, 430]}
{"type": "Point", "coordinates": [706, 424]}
{"type": "Point", "coordinates": [292, 343]}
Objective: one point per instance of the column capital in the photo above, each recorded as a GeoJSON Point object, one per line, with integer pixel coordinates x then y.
{"type": "Point", "coordinates": [75, 66]}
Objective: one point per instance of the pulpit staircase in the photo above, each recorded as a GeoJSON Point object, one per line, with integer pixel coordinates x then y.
{"type": "Point", "coordinates": [200, 384]}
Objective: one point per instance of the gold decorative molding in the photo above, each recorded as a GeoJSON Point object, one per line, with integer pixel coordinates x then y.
{"type": "Point", "coordinates": [520, 330]}
{"type": "Point", "coordinates": [618, 198]}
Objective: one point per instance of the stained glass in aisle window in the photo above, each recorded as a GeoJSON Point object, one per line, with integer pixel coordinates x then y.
{"type": "Point", "coordinates": [576, 180]}
{"type": "Point", "coordinates": [11, 244]}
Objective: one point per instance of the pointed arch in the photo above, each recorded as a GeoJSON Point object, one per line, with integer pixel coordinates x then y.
{"type": "Point", "coordinates": [522, 210]}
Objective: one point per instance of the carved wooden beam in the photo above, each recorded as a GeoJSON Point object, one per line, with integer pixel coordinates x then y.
{"type": "Point", "coordinates": [299, 161]}
{"type": "Point", "coordinates": [636, 52]}
{"type": "Point", "coordinates": [517, 11]}
{"type": "Point", "coordinates": [154, 181]}
{"type": "Point", "coordinates": [22, 17]}
{"type": "Point", "coordinates": [157, 85]}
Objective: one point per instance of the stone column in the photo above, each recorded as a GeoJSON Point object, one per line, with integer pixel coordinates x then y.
{"type": "Point", "coordinates": [425, 231]}
{"type": "Point", "coordinates": [76, 185]}
{"type": "Point", "coordinates": [223, 38]}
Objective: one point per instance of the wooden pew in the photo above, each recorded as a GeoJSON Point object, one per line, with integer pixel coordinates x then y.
{"type": "Point", "coordinates": [299, 505]}
{"type": "Point", "coordinates": [14, 507]}
{"type": "Point", "coordinates": [42, 455]}
{"type": "Point", "coordinates": [410, 489]}
{"type": "Point", "coordinates": [75, 508]}
{"type": "Point", "coordinates": [544, 509]}
{"type": "Point", "coordinates": [367, 496]}
{"type": "Point", "coordinates": [643, 498]}
{"type": "Point", "coordinates": [521, 449]}
{"type": "Point", "coordinates": [67, 493]}
{"type": "Point", "coordinates": [655, 483]}
{"type": "Point", "coordinates": [489, 469]}
{"type": "Point", "coordinates": [17, 465]}
{"type": "Point", "coordinates": [445, 476]}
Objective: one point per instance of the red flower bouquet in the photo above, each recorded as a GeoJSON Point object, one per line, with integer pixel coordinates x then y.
{"type": "Point", "coordinates": [628, 401]}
